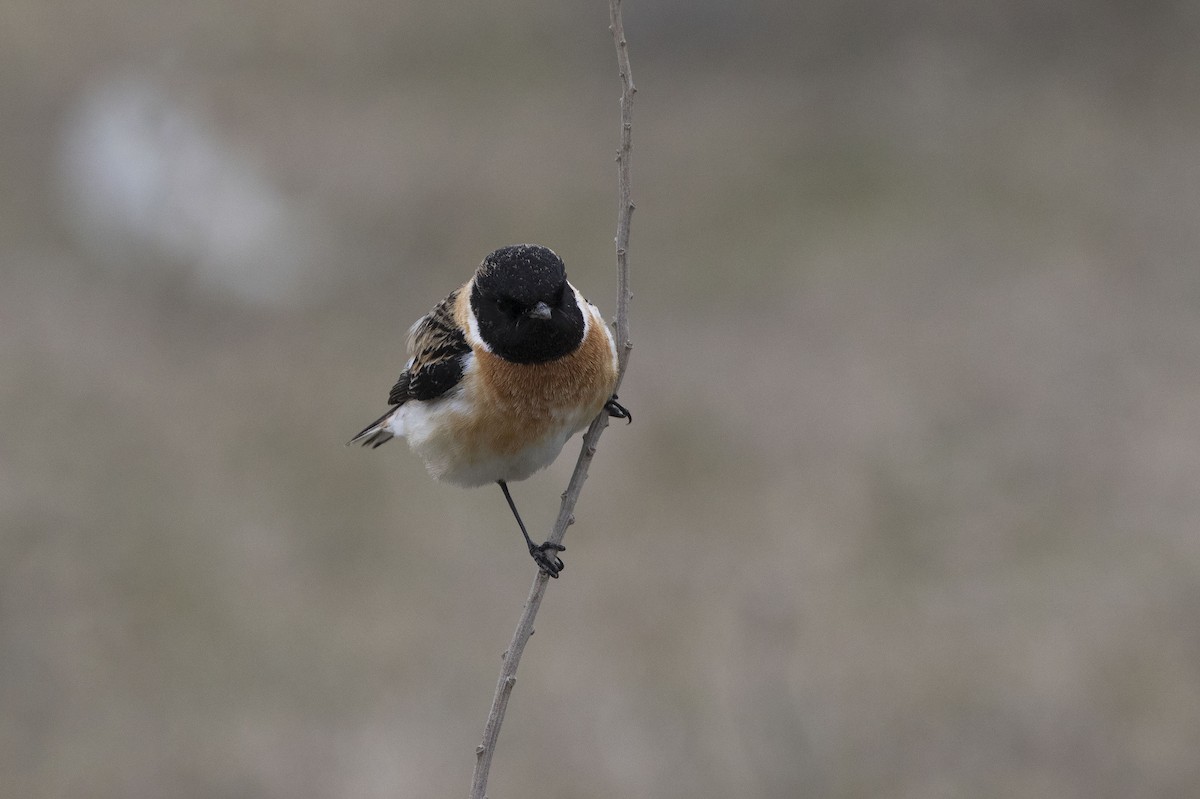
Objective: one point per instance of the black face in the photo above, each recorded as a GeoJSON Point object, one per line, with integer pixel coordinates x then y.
{"type": "Point", "coordinates": [511, 286]}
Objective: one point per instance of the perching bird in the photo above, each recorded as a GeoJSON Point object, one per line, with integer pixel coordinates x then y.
{"type": "Point", "coordinates": [500, 374]}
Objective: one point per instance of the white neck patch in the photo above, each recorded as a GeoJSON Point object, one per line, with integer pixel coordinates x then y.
{"type": "Point", "coordinates": [473, 337]}
{"type": "Point", "coordinates": [584, 311]}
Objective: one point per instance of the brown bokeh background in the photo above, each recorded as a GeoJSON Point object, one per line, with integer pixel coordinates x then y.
{"type": "Point", "coordinates": [909, 507]}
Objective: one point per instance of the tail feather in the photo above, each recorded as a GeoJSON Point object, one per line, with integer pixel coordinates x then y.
{"type": "Point", "coordinates": [375, 434]}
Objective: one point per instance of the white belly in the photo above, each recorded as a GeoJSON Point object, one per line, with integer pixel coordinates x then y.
{"type": "Point", "coordinates": [430, 430]}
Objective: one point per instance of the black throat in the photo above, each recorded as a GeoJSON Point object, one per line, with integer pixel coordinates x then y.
{"type": "Point", "coordinates": [515, 336]}
{"type": "Point", "coordinates": [525, 308]}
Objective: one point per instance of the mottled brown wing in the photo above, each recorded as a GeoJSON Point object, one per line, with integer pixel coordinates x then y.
{"type": "Point", "coordinates": [437, 346]}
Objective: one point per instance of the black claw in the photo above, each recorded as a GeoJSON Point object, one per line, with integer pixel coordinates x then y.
{"type": "Point", "coordinates": [550, 564]}
{"type": "Point", "coordinates": [618, 411]}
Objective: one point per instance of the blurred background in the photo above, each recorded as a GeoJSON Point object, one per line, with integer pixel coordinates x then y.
{"type": "Point", "coordinates": [909, 507]}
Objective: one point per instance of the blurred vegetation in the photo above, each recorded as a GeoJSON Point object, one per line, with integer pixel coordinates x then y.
{"type": "Point", "coordinates": [909, 508]}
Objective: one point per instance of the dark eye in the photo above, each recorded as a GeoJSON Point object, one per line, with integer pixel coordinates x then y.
{"type": "Point", "coordinates": [508, 306]}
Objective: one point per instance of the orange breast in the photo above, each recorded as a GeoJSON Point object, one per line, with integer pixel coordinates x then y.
{"type": "Point", "coordinates": [516, 405]}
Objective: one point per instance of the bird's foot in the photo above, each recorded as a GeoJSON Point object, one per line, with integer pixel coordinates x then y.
{"type": "Point", "coordinates": [547, 559]}
{"type": "Point", "coordinates": [618, 411]}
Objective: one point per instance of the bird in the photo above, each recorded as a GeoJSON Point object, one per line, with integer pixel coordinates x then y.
{"type": "Point", "coordinates": [500, 375]}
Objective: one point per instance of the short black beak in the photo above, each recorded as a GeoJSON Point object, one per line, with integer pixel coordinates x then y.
{"type": "Point", "coordinates": [539, 311]}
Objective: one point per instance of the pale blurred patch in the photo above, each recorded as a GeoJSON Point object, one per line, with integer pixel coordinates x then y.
{"type": "Point", "coordinates": [144, 178]}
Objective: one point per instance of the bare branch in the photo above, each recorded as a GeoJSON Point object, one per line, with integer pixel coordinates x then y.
{"type": "Point", "coordinates": [566, 517]}
{"type": "Point", "coordinates": [624, 186]}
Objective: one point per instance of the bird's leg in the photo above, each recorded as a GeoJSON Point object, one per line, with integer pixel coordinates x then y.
{"type": "Point", "coordinates": [544, 555]}
{"type": "Point", "coordinates": [617, 410]}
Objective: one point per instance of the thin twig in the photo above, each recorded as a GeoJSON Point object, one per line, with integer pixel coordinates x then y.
{"type": "Point", "coordinates": [566, 512]}
{"type": "Point", "coordinates": [624, 187]}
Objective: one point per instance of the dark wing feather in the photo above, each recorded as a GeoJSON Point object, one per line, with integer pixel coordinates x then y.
{"type": "Point", "coordinates": [399, 393]}
{"type": "Point", "coordinates": [437, 346]}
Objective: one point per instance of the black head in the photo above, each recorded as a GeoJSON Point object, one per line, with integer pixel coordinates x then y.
{"type": "Point", "coordinates": [524, 306]}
